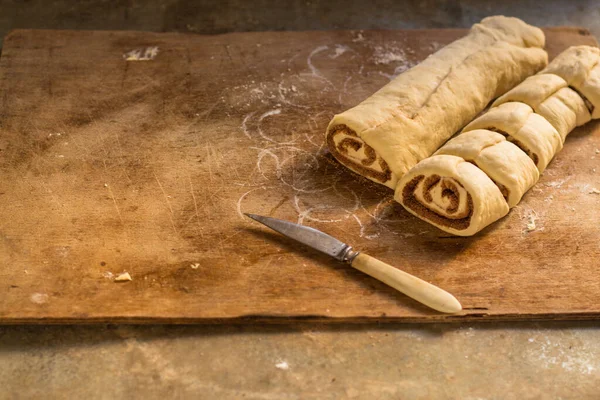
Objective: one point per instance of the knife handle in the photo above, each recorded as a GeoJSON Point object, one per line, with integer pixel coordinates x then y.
{"type": "Point", "coordinates": [423, 292]}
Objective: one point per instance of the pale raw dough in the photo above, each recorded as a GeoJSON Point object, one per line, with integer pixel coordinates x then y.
{"type": "Point", "coordinates": [452, 194]}
{"type": "Point", "coordinates": [591, 90]}
{"type": "Point", "coordinates": [409, 118]}
{"type": "Point", "coordinates": [536, 116]}
{"type": "Point", "coordinates": [529, 131]}
{"type": "Point", "coordinates": [565, 110]}
{"type": "Point", "coordinates": [507, 165]}
{"type": "Point", "coordinates": [550, 96]}
{"type": "Point", "coordinates": [579, 66]}
{"type": "Point", "coordinates": [533, 90]}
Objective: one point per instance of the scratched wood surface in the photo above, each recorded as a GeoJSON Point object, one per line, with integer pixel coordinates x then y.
{"type": "Point", "coordinates": [111, 165]}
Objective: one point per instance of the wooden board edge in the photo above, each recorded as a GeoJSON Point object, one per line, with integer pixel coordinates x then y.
{"type": "Point", "coordinates": [308, 319]}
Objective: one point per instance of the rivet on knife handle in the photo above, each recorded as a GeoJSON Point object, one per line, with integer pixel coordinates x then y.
{"type": "Point", "coordinates": [424, 292]}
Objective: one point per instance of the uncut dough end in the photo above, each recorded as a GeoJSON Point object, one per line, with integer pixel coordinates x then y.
{"type": "Point", "coordinates": [514, 31]}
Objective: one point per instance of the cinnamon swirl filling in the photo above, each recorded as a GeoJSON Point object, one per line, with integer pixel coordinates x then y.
{"type": "Point", "coordinates": [442, 200]}
{"type": "Point", "coordinates": [534, 157]}
{"type": "Point", "coordinates": [588, 103]}
{"type": "Point", "coordinates": [350, 150]}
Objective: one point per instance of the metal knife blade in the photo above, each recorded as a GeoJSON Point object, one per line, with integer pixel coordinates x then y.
{"type": "Point", "coordinates": [309, 236]}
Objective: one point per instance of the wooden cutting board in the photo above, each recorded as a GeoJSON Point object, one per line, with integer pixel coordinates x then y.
{"type": "Point", "coordinates": [138, 152]}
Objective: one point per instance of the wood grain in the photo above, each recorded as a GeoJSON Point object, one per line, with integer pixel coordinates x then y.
{"type": "Point", "coordinates": [111, 165]}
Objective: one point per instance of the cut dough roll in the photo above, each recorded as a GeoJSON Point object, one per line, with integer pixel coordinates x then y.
{"type": "Point", "coordinates": [507, 165]}
{"type": "Point", "coordinates": [533, 119]}
{"type": "Point", "coordinates": [529, 131]}
{"type": "Point", "coordinates": [551, 97]}
{"type": "Point", "coordinates": [409, 118]}
{"type": "Point", "coordinates": [579, 66]}
{"type": "Point", "coordinates": [452, 194]}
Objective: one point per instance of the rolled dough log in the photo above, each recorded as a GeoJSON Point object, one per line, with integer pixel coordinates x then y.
{"type": "Point", "coordinates": [409, 118]}
{"type": "Point", "coordinates": [452, 194]}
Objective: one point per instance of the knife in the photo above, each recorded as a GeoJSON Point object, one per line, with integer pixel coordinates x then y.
{"type": "Point", "coordinates": [423, 292]}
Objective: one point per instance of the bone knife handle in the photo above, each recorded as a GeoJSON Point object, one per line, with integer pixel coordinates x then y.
{"type": "Point", "coordinates": [423, 292]}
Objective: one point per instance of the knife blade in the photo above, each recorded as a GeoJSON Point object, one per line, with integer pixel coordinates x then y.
{"type": "Point", "coordinates": [421, 291]}
{"type": "Point", "coordinates": [306, 235]}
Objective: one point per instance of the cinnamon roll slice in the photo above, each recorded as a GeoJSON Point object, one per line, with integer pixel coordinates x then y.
{"type": "Point", "coordinates": [508, 166]}
{"type": "Point", "coordinates": [452, 194]}
{"type": "Point", "coordinates": [529, 131]}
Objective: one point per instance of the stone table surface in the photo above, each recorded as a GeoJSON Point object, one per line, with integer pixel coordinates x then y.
{"type": "Point", "coordinates": [489, 361]}
{"type": "Point", "coordinates": [554, 360]}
